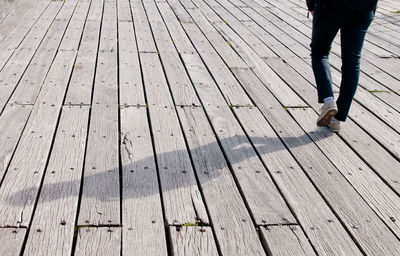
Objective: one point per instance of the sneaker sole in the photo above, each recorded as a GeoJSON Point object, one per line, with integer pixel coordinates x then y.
{"type": "Point", "coordinates": [326, 118]}
{"type": "Point", "coordinates": [334, 130]}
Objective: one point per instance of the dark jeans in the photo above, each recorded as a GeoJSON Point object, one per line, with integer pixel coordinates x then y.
{"type": "Point", "coordinates": [353, 27]}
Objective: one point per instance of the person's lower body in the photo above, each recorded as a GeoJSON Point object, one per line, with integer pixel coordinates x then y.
{"type": "Point", "coordinates": [353, 27]}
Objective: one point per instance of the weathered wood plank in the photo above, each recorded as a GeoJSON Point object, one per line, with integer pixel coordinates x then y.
{"type": "Point", "coordinates": [179, 82]}
{"type": "Point", "coordinates": [263, 71]}
{"type": "Point", "coordinates": [124, 11]}
{"type": "Point", "coordinates": [369, 68]}
{"type": "Point", "coordinates": [381, 112]}
{"type": "Point", "coordinates": [220, 71]}
{"type": "Point", "coordinates": [52, 228]}
{"type": "Point", "coordinates": [234, 11]}
{"type": "Point", "coordinates": [376, 106]}
{"type": "Point", "coordinates": [17, 14]}
{"type": "Point", "coordinates": [261, 195]}
{"type": "Point", "coordinates": [144, 37]}
{"type": "Point", "coordinates": [15, 67]}
{"type": "Point", "coordinates": [281, 37]}
{"type": "Point", "coordinates": [155, 82]}
{"type": "Point", "coordinates": [28, 86]}
{"type": "Point", "coordinates": [108, 40]}
{"type": "Point", "coordinates": [230, 57]}
{"type": "Point", "coordinates": [303, 39]}
{"type": "Point", "coordinates": [152, 12]}
{"type": "Point", "coordinates": [130, 77]}
{"type": "Point", "coordinates": [262, 49]}
{"type": "Point", "coordinates": [380, 197]}
{"type": "Point", "coordinates": [181, 41]}
{"type": "Point", "coordinates": [73, 34]}
{"type": "Point", "coordinates": [375, 155]}
{"type": "Point", "coordinates": [363, 117]}
{"type": "Point", "coordinates": [182, 89]}
{"type": "Point", "coordinates": [390, 65]}
{"type": "Point", "coordinates": [100, 203]}
{"type": "Point", "coordinates": [98, 242]}
{"type": "Point", "coordinates": [366, 146]}
{"type": "Point", "coordinates": [105, 90]}
{"type": "Point", "coordinates": [264, 200]}
{"type": "Point", "coordinates": [143, 230]}
{"type": "Point", "coordinates": [319, 222]}
{"type": "Point", "coordinates": [346, 202]}
{"type": "Point", "coordinates": [386, 33]}
{"type": "Point", "coordinates": [169, 82]}
{"type": "Point", "coordinates": [388, 137]}
{"type": "Point", "coordinates": [187, 4]}
{"type": "Point", "coordinates": [11, 241]}
{"type": "Point", "coordinates": [32, 80]}
{"type": "Point", "coordinates": [81, 86]}
{"type": "Point", "coordinates": [12, 123]}
{"type": "Point", "coordinates": [286, 240]}
{"type": "Point", "coordinates": [20, 187]}
{"type": "Point", "coordinates": [67, 9]}
{"type": "Point", "coordinates": [233, 92]}
{"type": "Point", "coordinates": [96, 11]}
{"type": "Point", "coordinates": [9, 44]}
{"type": "Point", "coordinates": [375, 40]}
{"type": "Point", "coordinates": [180, 11]}
{"type": "Point", "coordinates": [193, 241]}
{"type": "Point", "coordinates": [389, 97]}
{"type": "Point", "coordinates": [276, 32]}
{"type": "Point", "coordinates": [208, 12]}
{"type": "Point", "coordinates": [286, 40]}
{"type": "Point", "coordinates": [231, 220]}
{"type": "Point", "coordinates": [6, 8]}
{"type": "Point", "coordinates": [201, 78]}
{"type": "Point", "coordinates": [181, 196]}
{"type": "Point", "coordinates": [380, 76]}
{"type": "Point", "coordinates": [388, 7]}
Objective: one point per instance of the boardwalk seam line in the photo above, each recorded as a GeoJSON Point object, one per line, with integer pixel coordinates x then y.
{"type": "Point", "coordinates": [181, 126]}
{"type": "Point", "coordinates": [75, 238]}
{"type": "Point", "coordinates": [167, 235]}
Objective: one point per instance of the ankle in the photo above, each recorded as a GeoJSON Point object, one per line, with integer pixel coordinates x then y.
{"type": "Point", "coordinates": [329, 99]}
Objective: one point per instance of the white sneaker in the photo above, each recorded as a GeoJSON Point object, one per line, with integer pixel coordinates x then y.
{"type": "Point", "coordinates": [335, 126]}
{"type": "Point", "coordinates": [328, 110]}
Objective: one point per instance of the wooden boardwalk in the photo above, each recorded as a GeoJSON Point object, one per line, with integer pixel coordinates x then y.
{"type": "Point", "coordinates": [187, 127]}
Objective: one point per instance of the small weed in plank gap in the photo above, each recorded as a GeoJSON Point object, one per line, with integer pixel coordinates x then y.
{"type": "Point", "coordinates": [190, 225]}
{"type": "Point", "coordinates": [298, 107]}
{"type": "Point", "coordinates": [98, 226]}
{"type": "Point", "coordinates": [76, 231]}
{"type": "Point", "coordinates": [377, 91]}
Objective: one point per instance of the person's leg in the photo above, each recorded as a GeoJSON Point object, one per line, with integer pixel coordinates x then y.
{"type": "Point", "coordinates": [352, 39]}
{"type": "Point", "coordinates": [326, 24]}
